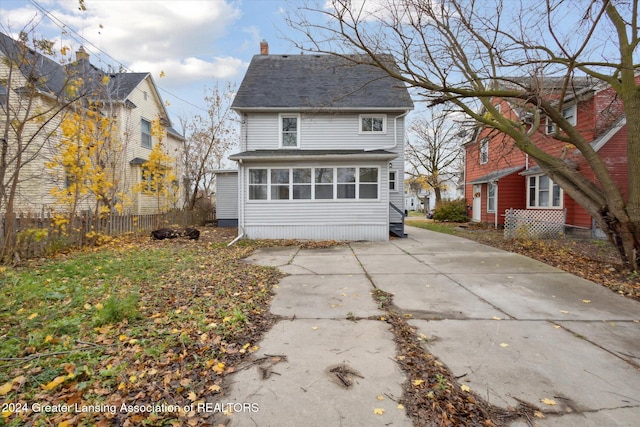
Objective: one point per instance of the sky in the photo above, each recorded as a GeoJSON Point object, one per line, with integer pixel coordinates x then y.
{"type": "Point", "coordinates": [188, 46]}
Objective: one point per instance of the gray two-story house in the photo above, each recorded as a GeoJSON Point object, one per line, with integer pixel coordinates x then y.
{"type": "Point", "coordinates": [322, 149]}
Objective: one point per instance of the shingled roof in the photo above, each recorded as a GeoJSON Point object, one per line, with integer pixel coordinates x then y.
{"type": "Point", "coordinates": [318, 82]}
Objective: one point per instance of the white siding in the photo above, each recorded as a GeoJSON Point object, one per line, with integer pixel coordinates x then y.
{"type": "Point", "coordinates": [320, 132]}
{"type": "Point", "coordinates": [353, 219]}
{"type": "Point", "coordinates": [338, 232]}
{"type": "Point", "coordinates": [227, 195]}
{"type": "Point", "coordinates": [321, 219]}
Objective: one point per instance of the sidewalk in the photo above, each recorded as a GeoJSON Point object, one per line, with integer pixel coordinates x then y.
{"type": "Point", "coordinates": [509, 327]}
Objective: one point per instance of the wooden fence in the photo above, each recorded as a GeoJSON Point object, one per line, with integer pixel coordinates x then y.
{"type": "Point", "coordinates": [37, 235]}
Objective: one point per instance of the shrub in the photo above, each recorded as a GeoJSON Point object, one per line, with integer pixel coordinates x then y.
{"type": "Point", "coordinates": [451, 211]}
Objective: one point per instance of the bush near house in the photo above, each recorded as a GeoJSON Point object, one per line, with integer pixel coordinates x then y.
{"type": "Point", "coordinates": [451, 211]}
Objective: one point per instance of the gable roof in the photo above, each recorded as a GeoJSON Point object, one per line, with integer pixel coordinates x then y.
{"type": "Point", "coordinates": [50, 76]}
{"type": "Point", "coordinates": [53, 78]}
{"type": "Point", "coordinates": [318, 82]}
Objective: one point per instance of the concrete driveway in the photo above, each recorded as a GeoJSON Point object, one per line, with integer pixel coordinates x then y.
{"type": "Point", "coordinates": [509, 327]}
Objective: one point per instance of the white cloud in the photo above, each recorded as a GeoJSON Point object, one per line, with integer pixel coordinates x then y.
{"type": "Point", "coordinates": [178, 37]}
{"type": "Point", "coordinates": [188, 70]}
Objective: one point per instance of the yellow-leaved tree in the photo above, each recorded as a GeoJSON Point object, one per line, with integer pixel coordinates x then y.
{"type": "Point", "coordinates": [158, 172]}
{"type": "Point", "coordinates": [84, 167]}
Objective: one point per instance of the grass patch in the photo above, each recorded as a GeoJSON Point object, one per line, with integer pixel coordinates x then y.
{"type": "Point", "coordinates": [439, 227]}
{"type": "Point", "coordinates": [137, 323]}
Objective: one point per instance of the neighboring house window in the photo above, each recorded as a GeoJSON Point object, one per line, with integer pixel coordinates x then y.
{"type": "Point", "coordinates": [314, 183]}
{"type": "Point", "coordinates": [550, 127]}
{"type": "Point", "coordinates": [373, 124]}
{"type": "Point", "coordinates": [145, 136]}
{"type": "Point", "coordinates": [392, 180]}
{"type": "Point", "coordinates": [368, 183]}
{"type": "Point", "coordinates": [289, 131]}
{"type": "Point", "coordinates": [544, 193]}
{"type": "Point", "coordinates": [491, 196]}
{"type": "Point", "coordinates": [569, 113]}
{"type": "Point", "coordinates": [346, 183]}
{"type": "Point", "coordinates": [258, 184]}
{"type": "Point", "coordinates": [152, 180]}
{"type": "Point", "coordinates": [484, 151]}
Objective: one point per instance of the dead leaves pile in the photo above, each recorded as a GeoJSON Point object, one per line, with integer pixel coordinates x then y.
{"type": "Point", "coordinates": [432, 396]}
{"type": "Point", "coordinates": [197, 320]}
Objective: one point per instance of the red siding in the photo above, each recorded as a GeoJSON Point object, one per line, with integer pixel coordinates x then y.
{"type": "Point", "coordinates": [595, 114]}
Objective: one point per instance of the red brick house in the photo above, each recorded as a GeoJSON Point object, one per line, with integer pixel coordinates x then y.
{"type": "Point", "coordinates": [498, 176]}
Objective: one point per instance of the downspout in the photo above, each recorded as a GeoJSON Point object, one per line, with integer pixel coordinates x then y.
{"type": "Point", "coordinates": [240, 204]}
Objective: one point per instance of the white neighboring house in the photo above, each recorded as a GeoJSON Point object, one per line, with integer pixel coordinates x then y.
{"type": "Point", "coordinates": [132, 98]}
{"type": "Point", "coordinates": [416, 202]}
{"type": "Point", "coordinates": [322, 143]}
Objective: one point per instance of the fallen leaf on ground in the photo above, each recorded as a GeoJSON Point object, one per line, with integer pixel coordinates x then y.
{"type": "Point", "coordinates": [465, 387]}
{"type": "Point", "coordinates": [548, 401]}
{"type": "Point", "coordinates": [378, 411]}
{"type": "Point", "coordinates": [6, 388]}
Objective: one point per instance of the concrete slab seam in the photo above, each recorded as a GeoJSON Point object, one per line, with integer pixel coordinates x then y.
{"type": "Point", "coordinates": [458, 283]}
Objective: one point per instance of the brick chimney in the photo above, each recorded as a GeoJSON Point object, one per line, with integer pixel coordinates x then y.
{"type": "Point", "coordinates": [264, 47]}
{"type": "Point", "coordinates": [82, 54]}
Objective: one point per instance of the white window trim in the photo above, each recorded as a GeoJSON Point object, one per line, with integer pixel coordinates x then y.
{"type": "Point", "coordinates": [143, 133]}
{"type": "Point", "coordinates": [537, 202]}
{"type": "Point", "coordinates": [484, 143]}
{"type": "Point", "coordinates": [550, 128]}
{"type": "Point", "coordinates": [313, 187]}
{"type": "Point", "coordinates": [573, 116]}
{"type": "Point", "coordinates": [495, 197]}
{"type": "Point", "coordinates": [372, 116]}
{"type": "Point", "coordinates": [283, 116]}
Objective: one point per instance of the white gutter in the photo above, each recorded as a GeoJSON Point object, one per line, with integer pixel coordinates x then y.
{"type": "Point", "coordinates": [395, 134]}
{"type": "Point", "coordinates": [240, 203]}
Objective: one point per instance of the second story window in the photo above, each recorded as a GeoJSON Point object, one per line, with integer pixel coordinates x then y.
{"type": "Point", "coordinates": [289, 130]}
{"type": "Point", "coordinates": [373, 124]}
{"type": "Point", "coordinates": [484, 151]}
{"type": "Point", "coordinates": [145, 136]}
{"type": "Point", "coordinates": [569, 113]}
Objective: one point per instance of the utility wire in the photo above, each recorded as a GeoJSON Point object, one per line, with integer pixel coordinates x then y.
{"type": "Point", "coordinates": [80, 39]}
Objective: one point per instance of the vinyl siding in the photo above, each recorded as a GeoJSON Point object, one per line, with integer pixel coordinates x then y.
{"type": "Point", "coordinates": [227, 195]}
{"type": "Point", "coordinates": [317, 219]}
{"type": "Point", "coordinates": [320, 132]}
